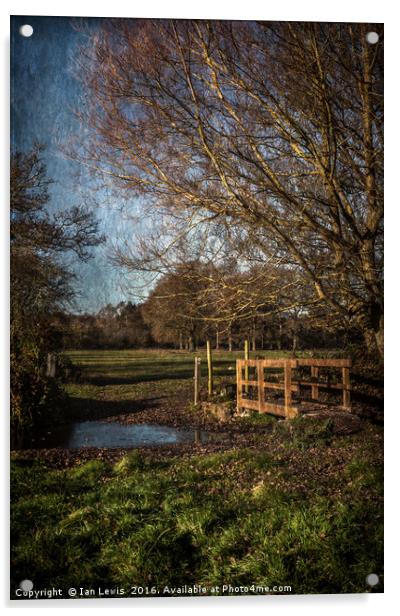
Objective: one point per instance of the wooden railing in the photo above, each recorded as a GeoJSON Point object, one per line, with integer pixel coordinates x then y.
{"type": "Point", "coordinates": [289, 385]}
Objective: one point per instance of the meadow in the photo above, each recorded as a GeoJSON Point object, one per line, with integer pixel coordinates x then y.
{"type": "Point", "coordinates": [291, 505]}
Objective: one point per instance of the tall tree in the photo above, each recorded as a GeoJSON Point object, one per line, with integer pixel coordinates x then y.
{"type": "Point", "coordinates": [274, 128]}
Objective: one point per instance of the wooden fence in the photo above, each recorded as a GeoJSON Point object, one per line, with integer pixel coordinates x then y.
{"type": "Point", "coordinates": [289, 385]}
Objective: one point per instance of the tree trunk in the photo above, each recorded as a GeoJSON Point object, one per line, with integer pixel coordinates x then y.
{"type": "Point", "coordinates": [253, 336]}
{"type": "Point", "coordinates": [379, 337]}
{"type": "Point", "coordinates": [370, 322]}
{"type": "Point", "coordinates": [294, 342]}
{"type": "Point", "coordinates": [280, 337]}
{"type": "Point", "coordinates": [374, 339]}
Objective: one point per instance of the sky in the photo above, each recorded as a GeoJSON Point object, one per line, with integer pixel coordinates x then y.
{"type": "Point", "coordinates": [44, 94]}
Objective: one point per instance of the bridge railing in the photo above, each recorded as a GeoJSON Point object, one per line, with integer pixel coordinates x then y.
{"type": "Point", "coordinates": [251, 377]}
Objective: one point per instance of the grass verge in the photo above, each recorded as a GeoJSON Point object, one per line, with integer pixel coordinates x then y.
{"type": "Point", "coordinates": [307, 514]}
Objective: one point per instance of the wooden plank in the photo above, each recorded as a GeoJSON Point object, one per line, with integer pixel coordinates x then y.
{"type": "Point", "coordinates": [279, 409]}
{"type": "Point", "coordinates": [251, 383]}
{"type": "Point", "coordinates": [268, 363]}
{"type": "Point", "coordinates": [247, 362]}
{"type": "Point", "coordinates": [346, 388]}
{"type": "Point", "coordinates": [319, 384]}
{"type": "Point", "coordinates": [280, 386]}
{"type": "Point", "coordinates": [273, 409]}
{"type": "Point", "coordinates": [325, 363]}
{"type": "Point", "coordinates": [250, 404]}
{"type": "Point", "coordinates": [278, 363]}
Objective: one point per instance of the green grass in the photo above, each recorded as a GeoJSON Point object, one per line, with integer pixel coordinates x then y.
{"type": "Point", "coordinates": [113, 381]}
{"type": "Point", "coordinates": [233, 517]}
{"type": "Point", "coordinates": [110, 380]}
{"type": "Point", "coordinates": [141, 367]}
{"type": "Point", "coordinates": [303, 508]}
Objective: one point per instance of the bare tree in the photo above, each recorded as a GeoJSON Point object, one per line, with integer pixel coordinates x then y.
{"type": "Point", "coordinates": [273, 129]}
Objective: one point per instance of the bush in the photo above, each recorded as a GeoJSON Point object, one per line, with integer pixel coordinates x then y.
{"type": "Point", "coordinates": [33, 394]}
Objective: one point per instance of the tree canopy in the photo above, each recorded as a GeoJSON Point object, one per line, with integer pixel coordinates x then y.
{"type": "Point", "coordinates": [272, 131]}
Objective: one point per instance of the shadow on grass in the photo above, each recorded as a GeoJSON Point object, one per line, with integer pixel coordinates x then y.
{"type": "Point", "coordinates": [103, 381]}
{"type": "Point", "coordinates": [90, 409]}
{"type": "Point", "coordinates": [142, 373]}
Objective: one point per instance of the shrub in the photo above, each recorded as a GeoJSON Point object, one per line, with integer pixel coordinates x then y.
{"type": "Point", "coordinates": [33, 394]}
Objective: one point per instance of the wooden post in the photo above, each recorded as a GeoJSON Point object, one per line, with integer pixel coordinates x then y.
{"type": "Point", "coordinates": [246, 369]}
{"type": "Point", "coordinates": [238, 386]}
{"type": "Point", "coordinates": [51, 365]}
{"type": "Point", "coordinates": [197, 362]}
{"type": "Point", "coordinates": [210, 369]}
{"type": "Point", "coordinates": [261, 389]}
{"type": "Point", "coordinates": [314, 388]}
{"type": "Point", "coordinates": [346, 388]}
{"type": "Point", "coordinates": [288, 388]}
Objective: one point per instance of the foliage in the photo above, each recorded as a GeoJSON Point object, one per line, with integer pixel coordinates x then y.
{"type": "Point", "coordinates": [269, 151]}
{"type": "Point", "coordinates": [40, 282]}
{"type": "Point", "coordinates": [32, 393]}
{"type": "Point", "coordinates": [173, 317]}
{"type": "Point", "coordinates": [112, 327]}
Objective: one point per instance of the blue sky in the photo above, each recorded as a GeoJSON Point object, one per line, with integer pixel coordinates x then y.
{"type": "Point", "coordinates": [44, 94]}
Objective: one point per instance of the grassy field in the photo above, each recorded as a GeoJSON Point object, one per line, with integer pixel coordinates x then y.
{"type": "Point", "coordinates": [299, 507]}
{"type": "Point", "coordinates": [116, 383]}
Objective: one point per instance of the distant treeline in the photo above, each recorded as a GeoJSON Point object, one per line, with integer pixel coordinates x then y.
{"type": "Point", "coordinates": [131, 326]}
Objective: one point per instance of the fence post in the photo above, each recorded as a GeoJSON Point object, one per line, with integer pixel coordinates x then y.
{"type": "Point", "coordinates": [51, 365]}
{"type": "Point", "coordinates": [314, 388]}
{"type": "Point", "coordinates": [288, 388]}
{"type": "Point", "coordinates": [197, 362]}
{"type": "Point", "coordinates": [210, 369]}
{"type": "Point", "coordinates": [261, 390]}
{"type": "Point", "coordinates": [346, 388]}
{"type": "Point", "coordinates": [246, 368]}
{"type": "Point", "coordinates": [238, 385]}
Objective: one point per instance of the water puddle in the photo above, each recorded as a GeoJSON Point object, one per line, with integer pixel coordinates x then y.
{"type": "Point", "coordinates": [99, 434]}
